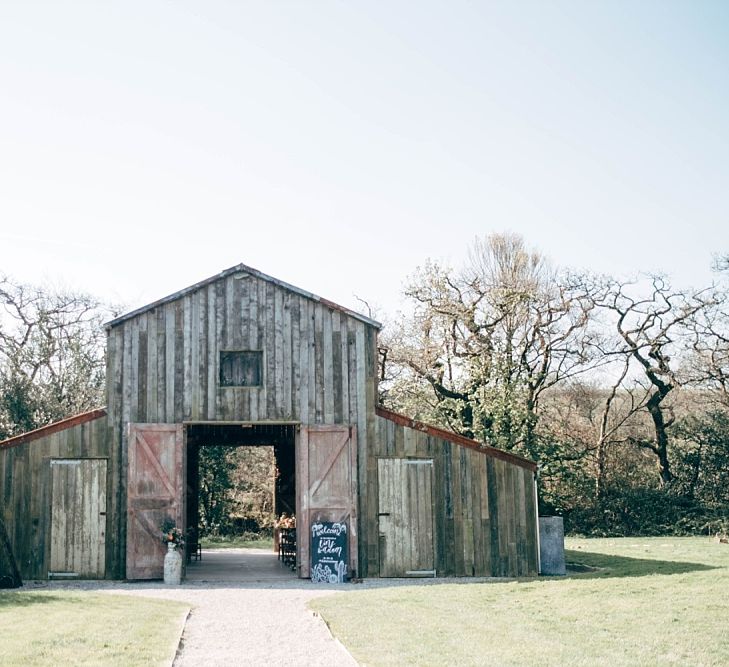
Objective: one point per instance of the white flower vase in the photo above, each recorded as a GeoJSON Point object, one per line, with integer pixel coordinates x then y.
{"type": "Point", "coordinates": [173, 565]}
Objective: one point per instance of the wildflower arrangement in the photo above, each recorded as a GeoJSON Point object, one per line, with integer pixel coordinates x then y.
{"type": "Point", "coordinates": [285, 521]}
{"type": "Point", "coordinates": [171, 533]}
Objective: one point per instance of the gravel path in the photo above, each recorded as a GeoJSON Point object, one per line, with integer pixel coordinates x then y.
{"type": "Point", "coordinates": [261, 620]}
{"type": "Point", "coordinates": [273, 627]}
{"type": "Point", "coordinates": [240, 624]}
{"type": "Point", "coordinates": [252, 623]}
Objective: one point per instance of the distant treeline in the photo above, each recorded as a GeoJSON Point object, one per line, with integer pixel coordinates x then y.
{"type": "Point", "coordinates": [618, 388]}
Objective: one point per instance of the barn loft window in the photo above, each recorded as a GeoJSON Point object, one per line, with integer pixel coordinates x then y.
{"type": "Point", "coordinates": [241, 368]}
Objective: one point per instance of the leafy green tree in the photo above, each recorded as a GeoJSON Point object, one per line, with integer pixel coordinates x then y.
{"type": "Point", "coordinates": [236, 483]}
{"type": "Point", "coordinates": [215, 468]}
{"type": "Point", "coordinates": [703, 457]}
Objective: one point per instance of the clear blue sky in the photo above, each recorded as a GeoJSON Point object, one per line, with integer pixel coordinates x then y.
{"type": "Point", "coordinates": [336, 145]}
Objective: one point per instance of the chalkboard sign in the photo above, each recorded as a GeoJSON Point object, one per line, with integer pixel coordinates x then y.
{"type": "Point", "coordinates": [329, 552]}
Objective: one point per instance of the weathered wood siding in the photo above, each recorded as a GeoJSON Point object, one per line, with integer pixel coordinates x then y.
{"type": "Point", "coordinates": [406, 535]}
{"type": "Point", "coordinates": [319, 364]}
{"type": "Point", "coordinates": [318, 369]}
{"type": "Point", "coordinates": [483, 507]}
{"type": "Point", "coordinates": [326, 473]}
{"type": "Point", "coordinates": [78, 518]}
{"type": "Point", "coordinates": [155, 492]}
{"type": "Point", "coordinates": [25, 489]}
{"type": "Point", "coordinates": [317, 361]}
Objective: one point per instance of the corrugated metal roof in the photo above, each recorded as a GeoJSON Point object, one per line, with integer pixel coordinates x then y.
{"type": "Point", "coordinates": [242, 269]}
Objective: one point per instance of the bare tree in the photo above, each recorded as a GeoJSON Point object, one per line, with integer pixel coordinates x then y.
{"type": "Point", "coordinates": [52, 361]}
{"type": "Point", "coordinates": [709, 365]}
{"type": "Point", "coordinates": [489, 340]}
{"type": "Point", "coordinates": [652, 330]}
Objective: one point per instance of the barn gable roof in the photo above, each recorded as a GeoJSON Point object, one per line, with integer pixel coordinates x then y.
{"type": "Point", "coordinates": [455, 438]}
{"type": "Point", "coordinates": [242, 269]}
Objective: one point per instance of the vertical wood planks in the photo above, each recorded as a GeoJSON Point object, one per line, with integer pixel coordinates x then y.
{"type": "Point", "coordinates": [186, 363]}
{"type": "Point", "coordinates": [169, 413]}
{"type": "Point", "coordinates": [482, 507]}
{"type": "Point", "coordinates": [405, 527]}
{"type": "Point", "coordinates": [304, 361]}
{"type": "Point", "coordinates": [265, 328]}
{"type": "Point", "coordinates": [26, 500]}
{"type": "Point", "coordinates": [134, 370]}
{"type": "Point", "coordinates": [212, 352]}
{"type": "Point", "coordinates": [286, 361]}
{"type": "Point", "coordinates": [319, 367]}
{"type": "Point", "coordinates": [78, 517]}
{"type": "Point", "coordinates": [151, 371]}
{"type": "Point", "coordinates": [193, 405]}
{"type": "Point", "coordinates": [163, 366]}
{"type": "Point", "coordinates": [250, 331]}
{"type": "Point", "coordinates": [156, 487]}
{"type": "Point", "coordinates": [319, 363]}
{"type": "Point", "coordinates": [327, 458]}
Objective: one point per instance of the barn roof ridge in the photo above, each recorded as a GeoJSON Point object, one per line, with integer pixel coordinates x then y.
{"type": "Point", "coordinates": [241, 268]}
{"type": "Point", "coordinates": [461, 440]}
{"type": "Point", "coordinates": [53, 427]}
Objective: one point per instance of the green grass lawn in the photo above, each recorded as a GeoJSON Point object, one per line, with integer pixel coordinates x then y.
{"type": "Point", "coordinates": [57, 627]}
{"type": "Point", "coordinates": [653, 601]}
{"type": "Point", "coordinates": [237, 542]}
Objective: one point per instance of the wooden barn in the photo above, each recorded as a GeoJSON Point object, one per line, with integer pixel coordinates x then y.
{"type": "Point", "coordinates": [244, 359]}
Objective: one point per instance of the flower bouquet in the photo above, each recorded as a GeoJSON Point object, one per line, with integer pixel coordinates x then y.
{"type": "Point", "coordinates": [171, 534]}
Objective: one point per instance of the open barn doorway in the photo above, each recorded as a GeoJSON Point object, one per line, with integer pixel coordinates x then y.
{"type": "Point", "coordinates": [257, 461]}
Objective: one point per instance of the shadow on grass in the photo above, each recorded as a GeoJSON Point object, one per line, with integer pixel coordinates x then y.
{"type": "Point", "coordinates": [16, 598]}
{"type": "Point", "coordinates": [623, 566]}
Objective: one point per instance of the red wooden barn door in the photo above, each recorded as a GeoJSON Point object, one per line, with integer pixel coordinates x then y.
{"type": "Point", "coordinates": [155, 490]}
{"type": "Point", "coordinates": [327, 481]}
